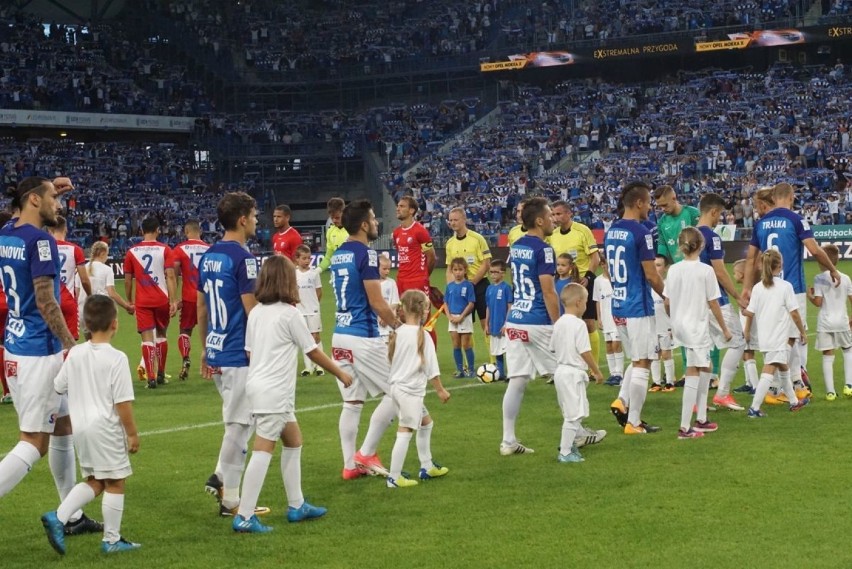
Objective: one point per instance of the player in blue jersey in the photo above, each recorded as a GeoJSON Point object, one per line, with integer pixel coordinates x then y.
{"type": "Point", "coordinates": [535, 307]}
{"type": "Point", "coordinates": [630, 254]}
{"type": "Point", "coordinates": [357, 346]}
{"type": "Point", "coordinates": [711, 207]}
{"type": "Point", "coordinates": [787, 232]}
{"type": "Point", "coordinates": [498, 301]}
{"type": "Point", "coordinates": [36, 335]}
{"type": "Point", "coordinates": [226, 277]}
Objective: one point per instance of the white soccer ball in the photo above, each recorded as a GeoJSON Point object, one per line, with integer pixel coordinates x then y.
{"type": "Point", "coordinates": [487, 373]}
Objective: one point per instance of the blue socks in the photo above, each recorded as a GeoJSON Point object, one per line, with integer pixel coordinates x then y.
{"type": "Point", "coordinates": [457, 355]}
{"type": "Point", "coordinates": [471, 362]}
{"type": "Point", "coordinates": [501, 366]}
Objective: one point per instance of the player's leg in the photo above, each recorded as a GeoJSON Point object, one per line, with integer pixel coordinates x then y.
{"type": "Point", "coordinates": [6, 396]}
{"type": "Point", "coordinates": [188, 321]}
{"type": "Point", "coordinates": [520, 370]}
{"type": "Point", "coordinates": [688, 402]}
{"type": "Point", "coordinates": [298, 509]}
{"type": "Point", "coordinates": [668, 370]}
{"type": "Point", "coordinates": [162, 343]}
{"type": "Point", "coordinates": [146, 326]}
{"type": "Point", "coordinates": [342, 351]}
{"type": "Point", "coordinates": [55, 522]}
{"type": "Point", "coordinates": [730, 363]}
{"type": "Point", "coordinates": [479, 311]}
{"type": "Point", "coordinates": [571, 394]}
{"type": "Point", "coordinates": [113, 511]}
{"type": "Point", "coordinates": [373, 366]}
{"type": "Point", "coordinates": [63, 467]}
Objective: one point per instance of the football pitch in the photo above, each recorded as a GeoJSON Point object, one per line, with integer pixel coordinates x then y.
{"type": "Point", "coordinates": [757, 493]}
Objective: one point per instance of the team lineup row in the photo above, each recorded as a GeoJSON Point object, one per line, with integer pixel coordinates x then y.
{"type": "Point", "coordinates": [243, 306]}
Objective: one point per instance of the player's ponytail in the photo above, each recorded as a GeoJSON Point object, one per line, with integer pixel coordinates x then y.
{"type": "Point", "coordinates": [573, 271]}
{"type": "Point", "coordinates": [772, 261]}
{"type": "Point", "coordinates": [690, 241]}
{"type": "Point", "coordinates": [414, 305]}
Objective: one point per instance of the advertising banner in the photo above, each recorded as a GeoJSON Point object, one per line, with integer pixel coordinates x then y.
{"type": "Point", "coordinates": [60, 119]}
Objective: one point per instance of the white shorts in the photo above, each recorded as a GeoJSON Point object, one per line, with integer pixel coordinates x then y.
{"type": "Point", "coordinates": [366, 360]}
{"type": "Point", "coordinates": [612, 336]}
{"type": "Point", "coordinates": [30, 380]}
{"type": "Point", "coordinates": [270, 425]}
{"type": "Point", "coordinates": [639, 336]}
{"type": "Point", "coordinates": [98, 474]}
{"type": "Point", "coordinates": [410, 408]}
{"type": "Point", "coordinates": [802, 300]}
{"type": "Point", "coordinates": [314, 322]}
{"type": "Point", "coordinates": [570, 385]}
{"type": "Point", "coordinates": [463, 327]}
{"type": "Point", "coordinates": [231, 383]}
{"type": "Point", "coordinates": [498, 345]}
{"type": "Point", "coordinates": [833, 340]}
{"type": "Point", "coordinates": [781, 356]}
{"type": "Point", "coordinates": [665, 341]}
{"type": "Point", "coordinates": [698, 358]}
{"type": "Point", "coordinates": [734, 327]}
{"type": "Point", "coordinates": [528, 353]}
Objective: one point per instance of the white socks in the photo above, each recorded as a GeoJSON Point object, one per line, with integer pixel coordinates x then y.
{"type": "Point", "coordinates": [703, 391]}
{"type": "Point", "coordinates": [512, 400]}
{"type": "Point", "coordinates": [256, 470]}
{"type": "Point", "coordinates": [690, 400]}
{"type": "Point", "coordinates": [350, 416]}
{"type": "Point", "coordinates": [63, 466]}
{"type": "Point", "coordinates": [751, 373]}
{"type": "Point", "coordinates": [828, 372]}
{"type": "Point", "coordinates": [787, 385]}
{"type": "Point", "coordinates": [728, 369]}
{"type": "Point", "coordinates": [232, 458]}
{"type": "Point", "coordinates": [424, 445]}
{"type": "Point", "coordinates": [624, 389]}
{"type": "Point", "coordinates": [655, 372]}
{"type": "Point", "coordinates": [569, 433]}
{"type": "Point", "coordinates": [74, 501]}
{"type": "Point", "coordinates": [638, 390]}
{"type": "Point", "coordinates": [610, 363]}
{"type": "Point", "coordinates": [847, 366]}
{"type": "Point", "coordinates": [16, 464]}
{"type": "Point", "coordinates": [112, 508]}
{"type": "Point", "coordinates": [291, 472]}
{"type": "Point", "coordinates": [380, 420]}
{"type": "Point", "coordinates": [619, 363]}
{"type": "Point", "coordinates": [400, 449]}
{"type": "Point", "coordinates": [669, 367]}
{"type": "Point", "coordinates": [761, 390]}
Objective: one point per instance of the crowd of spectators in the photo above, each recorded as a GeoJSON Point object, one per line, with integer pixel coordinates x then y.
{"type": "Point", "coordinates": [89, 68]}
{"type": "Point", "coordinates": [722, 131]}
{"type": "Point", "coordinates": [117, 185]}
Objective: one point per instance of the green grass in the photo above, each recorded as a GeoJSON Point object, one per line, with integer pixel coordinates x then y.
{"type": "Point", "coordinates": [771, 493]}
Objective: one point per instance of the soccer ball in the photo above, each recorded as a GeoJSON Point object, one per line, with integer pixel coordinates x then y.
{"type": "Point", "coordinates": [488, 373]}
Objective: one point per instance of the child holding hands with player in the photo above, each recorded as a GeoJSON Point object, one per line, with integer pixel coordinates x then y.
{"type": "Point", "coordinates": [570, 343]}
{"type": "Point", "coordinates": [96, 378]}
{"type": "Point", "coordinates": [773, 305]}
{"type": "Point", "coordinates": [275, 333]}
{"type": "Point", "coordinates": [692, 295]}
{"type": "Point", "coordinates": [413, 362]}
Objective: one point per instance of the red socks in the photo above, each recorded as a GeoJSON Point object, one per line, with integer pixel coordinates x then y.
{"type": "Point", "coordinates": [184, 345]}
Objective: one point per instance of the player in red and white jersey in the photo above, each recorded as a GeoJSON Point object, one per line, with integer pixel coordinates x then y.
{"type": "Point", "coordinates": [415, 254]}
{"type": "Point", "coordinates": [286, 238]}
{"type": "Point", "coordinates": [187, 256]}
{"type": "Point", "coordinates": [71, 256]}
{"type": "Point", "coordinates": [151, 265]}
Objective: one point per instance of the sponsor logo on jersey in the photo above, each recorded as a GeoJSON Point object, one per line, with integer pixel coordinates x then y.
{"type": "Point", "coordinates": [215, 341]}
{"type": "Point", "coordinates": [11, 369]}
{"type": "Point", "coordinates": [44, 250]}
{"type": "Point", "coordinates": [372, 258]}
{"type": "Point", "coordinates": [548, 255]}
{"type": "Point", "coordinates": [522, 305]}
{"type": "Point", "coordinates": [251, 268]}
{"type": "Point", "coordinates": [342, 355]}
{"type": "Point", "coordinates": [16, 327]}
{"type": "Point", "coordinates": [343, 319]}
{"type": "Point", "coordinates": [515, 334]}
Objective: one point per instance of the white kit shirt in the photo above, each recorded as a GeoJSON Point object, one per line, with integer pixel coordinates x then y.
{"type": "Point", "coordinates": [570, 338]}
{"type": "Point", "coordinates": [391, 296]}
{"type": "Point", "coordinates": [96, 378]}
{"type": "Point", "coordinates": [689, 286]}
{"type": "Point", "coordinates": [408, 373]}
{"type": "Point", "coordinates": [832, 315]}
{"type": "Point", "coordinates": [101, 277]}
{"type": "Point", "coordinates": [602, 294]}
{"type": "Point", "coordinates": [771, 308]}
{"type": "Point", "coordinates": [275, 334]}
{"type": "Point", "coordinates": [661, 318]}
{"type": "Point", "coordinates": [308, 282]}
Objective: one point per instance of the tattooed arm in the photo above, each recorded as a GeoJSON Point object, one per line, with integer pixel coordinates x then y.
{"type": "Point", "coordinates": [50, 311]}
